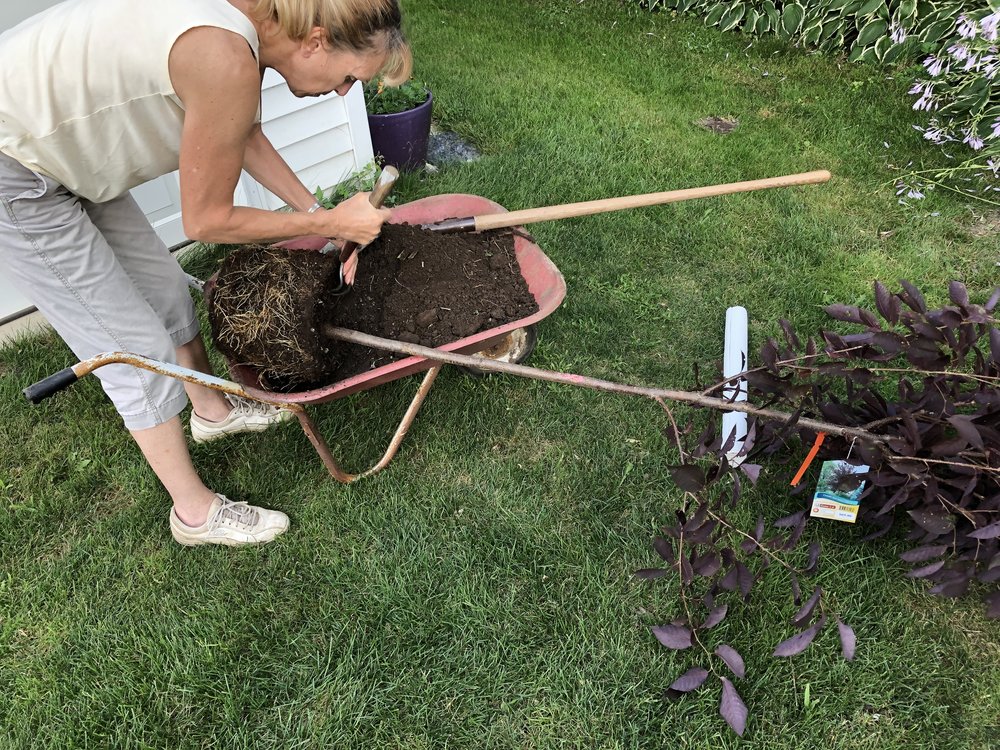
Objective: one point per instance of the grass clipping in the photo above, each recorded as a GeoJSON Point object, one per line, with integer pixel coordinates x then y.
{"type": "Point", "coordinates": [265, 308]}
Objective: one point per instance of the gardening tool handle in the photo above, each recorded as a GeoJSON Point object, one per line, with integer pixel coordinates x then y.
{"type": "Point", "coordinates": [52, 384]}
{"type": "Point", "coordinates": [383, 186]}
{"type": "Point", "coordinates": [570, 210]}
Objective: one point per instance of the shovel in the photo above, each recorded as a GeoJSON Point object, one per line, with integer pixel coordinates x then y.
{"type": "Point", "coordinates": [383, 186]}
{"type": "Point", "coordinates": [569, 210]}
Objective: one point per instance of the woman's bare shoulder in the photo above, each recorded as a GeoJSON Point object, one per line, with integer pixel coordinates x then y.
{"type": "Point", "coordinates": [210, 59]}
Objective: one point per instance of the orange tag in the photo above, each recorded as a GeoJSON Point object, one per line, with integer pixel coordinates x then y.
{"type": "Point", "coordinates": [820, 437]}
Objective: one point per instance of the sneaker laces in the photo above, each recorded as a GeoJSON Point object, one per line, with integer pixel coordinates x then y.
{"type": "Point", "coordinates": [238, 513]}
{"type": "Point", "coordinates": [245, 408]}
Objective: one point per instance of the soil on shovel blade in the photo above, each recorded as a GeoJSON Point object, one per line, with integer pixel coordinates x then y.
{"type": "Point", "coordinates": [270, 305]}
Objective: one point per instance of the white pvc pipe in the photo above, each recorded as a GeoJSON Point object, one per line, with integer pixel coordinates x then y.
{"type": "Point", "coordinates": [734, 361]}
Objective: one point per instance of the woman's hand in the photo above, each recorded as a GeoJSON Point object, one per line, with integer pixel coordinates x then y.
{"type": "Point", "coordinates": [355, 220]}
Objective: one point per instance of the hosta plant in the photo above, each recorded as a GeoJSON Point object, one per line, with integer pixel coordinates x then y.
{"type": "Point", "coordinates": [960, 89]}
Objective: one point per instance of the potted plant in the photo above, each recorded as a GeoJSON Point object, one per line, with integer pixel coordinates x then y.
{"type": "Point", "coordinates": [399, 119]}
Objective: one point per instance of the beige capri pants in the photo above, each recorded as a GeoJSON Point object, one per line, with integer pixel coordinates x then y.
{"type": "Point", "coordinates": [104, 280]}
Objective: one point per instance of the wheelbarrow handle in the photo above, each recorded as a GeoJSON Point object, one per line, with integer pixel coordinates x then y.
{"type": "Point", "coordinates": [41, 390]}
{"type": "Point", "coordinates": [64, 378]}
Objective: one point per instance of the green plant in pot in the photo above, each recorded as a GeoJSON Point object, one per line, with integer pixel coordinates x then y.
{"type": "Point", "coordinates": [399, 119]}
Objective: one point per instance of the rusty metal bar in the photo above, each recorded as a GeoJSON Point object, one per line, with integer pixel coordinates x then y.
{"type": "Point", "coordinates": [323, 449]}
{"type": "Point", "coordinates": [552, 376]}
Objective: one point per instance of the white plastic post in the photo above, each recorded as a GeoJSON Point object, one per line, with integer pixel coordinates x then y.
{"type": "Point", "coordinates": [734, 362]}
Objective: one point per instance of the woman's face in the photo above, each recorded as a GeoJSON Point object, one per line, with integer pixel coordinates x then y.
{"type": "Point", "coordinates": [315, 68]}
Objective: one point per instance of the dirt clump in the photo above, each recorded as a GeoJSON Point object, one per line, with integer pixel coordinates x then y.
{"type": "Point", "coordinates": [270, 305]}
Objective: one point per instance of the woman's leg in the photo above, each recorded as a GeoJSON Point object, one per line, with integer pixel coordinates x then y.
{"type": "Point", "coordinates": [166, 451]}
{"type": "Point", "coordinates": [51, 249]}
{"type": "Point", "coordinates": [162, 283]}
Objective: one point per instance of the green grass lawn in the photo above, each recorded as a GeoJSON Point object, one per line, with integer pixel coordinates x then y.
{"type": "Point", "coordinates": [479, 593]}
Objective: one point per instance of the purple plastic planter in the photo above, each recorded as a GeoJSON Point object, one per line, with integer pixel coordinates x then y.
{"type": "Point", "coordinates": [401, 138]}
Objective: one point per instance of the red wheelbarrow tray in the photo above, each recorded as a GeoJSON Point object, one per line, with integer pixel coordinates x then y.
{"type": "Point", "coordinates": [544, 281]}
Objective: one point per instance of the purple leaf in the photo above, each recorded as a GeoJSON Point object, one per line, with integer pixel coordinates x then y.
{"type": "Point", "coordinates": [729, 580]}
{"type": "Point", "coordinates": [995, 345]}
{"type": "Point", "coordinates": [964, 426]}
{"type": "Point", "coordinates": [744, 578]}
{"type": "Point", "coordinates": [799, 642]}
{"type": "Point", "coordinates": [732, 658]}
{"type": "Point", "coordinates": [848, 641]}
{"type": "Point", "coordinates": [913, 298]}
{"type": "Point", "coordinates": [664, 548]}
{"type": "Point", "coordinates": [958, 293]}
{"type": "Point", "coordinates": [802, 616]}
{"type": "Point", "coordinates": [687, 572]}
{"type": "Point", "coordinates": [884, 303]}
{"type": "Point", "coordinates": [920, 554]}
{"type": "Point", "coordinates": [649, 574]}
{"type": "Point", "coordinates": [847, 313]}
{"type": "Point", "coordinates": [716, 616]}
{"type": "Point", "coordinates": [689, 478]}
{"type": "Point", "coordinates": [987, 532]}
{"type": "Point", "coordinates": [732, 708]}
{"type": "Point", "coordinates": [708, 565]}
{"type": "Point", "coordinates": [796, 591]}
{"type": "Point", "coordinates": [926, 570]}
{"type": "Point", "coordinates": [954, 587]}
{"type": "Point", "coordinates": [935, 521]}
{"type": "Point", "coordinates": [789, 521]}
{"type": "Point", "coordinates": [673, 636]}
{"type": "Point", "coordinates": [790, 337]}
{"type": "Point", "coordinates": [993, 606]}
{"type": "Point", "coordinates": [752, 471]}
{"type": "Point", "coordinates": [690, 680]}
{"type": "Point", "coordinates": [992, 301]}
{"type": "Point", "coordinates": [814, 550]}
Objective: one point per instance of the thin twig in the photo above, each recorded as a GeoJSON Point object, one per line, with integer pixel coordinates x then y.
{"type": "Point", "coordinates": [763, 549]}
{"type": "Point", "coordinates": [677, 434]}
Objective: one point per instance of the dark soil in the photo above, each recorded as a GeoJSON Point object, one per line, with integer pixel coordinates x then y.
{"type": "Point", "coordinates": [412, 285]}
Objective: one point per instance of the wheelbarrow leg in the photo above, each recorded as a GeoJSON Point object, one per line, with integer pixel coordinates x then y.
{"type": "Point", "coordinates": [309, 428]}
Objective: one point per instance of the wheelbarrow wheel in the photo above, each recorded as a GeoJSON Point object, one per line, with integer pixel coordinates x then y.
{"type": "Point", "coordinates": [515, 348]}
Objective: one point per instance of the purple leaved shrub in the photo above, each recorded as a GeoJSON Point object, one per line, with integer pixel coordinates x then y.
{"type": "Point", "coordinates": [923, 387]}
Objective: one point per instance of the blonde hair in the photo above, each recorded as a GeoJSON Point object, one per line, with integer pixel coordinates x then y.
{"type": "Point", "coordinates": [356, 25]}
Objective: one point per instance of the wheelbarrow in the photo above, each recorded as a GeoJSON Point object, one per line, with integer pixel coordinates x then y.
{"type": "Point", "coordinates": [504, 346]}
{"type": "Point", "coordinates": [509, 343]}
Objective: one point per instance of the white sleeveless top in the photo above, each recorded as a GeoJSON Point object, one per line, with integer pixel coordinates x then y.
{"type": "Point", "coordinates": [85, 93]}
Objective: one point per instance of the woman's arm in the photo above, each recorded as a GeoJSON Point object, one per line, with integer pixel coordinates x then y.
{"type": "Point", "coordinates": [217, 79]}
{"type": "Point", "coordinates": [266, 165]}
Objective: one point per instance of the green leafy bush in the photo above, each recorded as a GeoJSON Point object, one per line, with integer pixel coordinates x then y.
{"type": "Point", "coordinates": [386, 100]}
{"type": "Point", "coordinates": [869, 30]}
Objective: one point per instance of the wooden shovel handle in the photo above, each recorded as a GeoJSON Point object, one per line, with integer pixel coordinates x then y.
{"type": "Point", "coordinates": [569, 210]}
{"type": "Point", "coordinates": [379, 193]}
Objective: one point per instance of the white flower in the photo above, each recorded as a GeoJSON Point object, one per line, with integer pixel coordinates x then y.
{"type": "Point", "coordinates": [958, 51]}
{"type": "Point", "coordinates": [996, 129]}
{"type": "Point", "coordinates": [934, 65]}
{"type": "Point", "coordinates": [898, 33]}
{"type": "Point", "coordinates": [990, 24]}
{"type": "Point", "coordinates": [967, 28]}
{"type": "Point", "coordinates": [974, 141]}
{"type": "Point", "coordinates": [915, 194]}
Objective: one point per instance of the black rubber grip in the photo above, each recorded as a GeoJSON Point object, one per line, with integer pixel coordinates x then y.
{"type": "Point", "coordinates": [52, 384]}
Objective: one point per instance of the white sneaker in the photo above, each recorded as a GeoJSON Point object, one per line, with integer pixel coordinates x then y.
{"type": "Point", "coordinates": [231, 524]}
{"type": "Point", "coordinates": [246, 416]}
